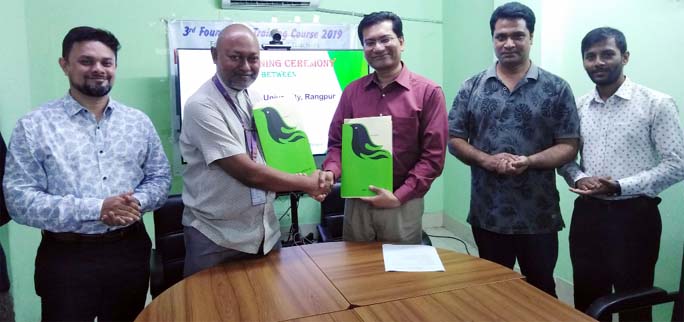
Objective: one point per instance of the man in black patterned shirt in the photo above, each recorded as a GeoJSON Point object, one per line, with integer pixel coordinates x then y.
{"type": "Point", "coordinates": [514, 123]}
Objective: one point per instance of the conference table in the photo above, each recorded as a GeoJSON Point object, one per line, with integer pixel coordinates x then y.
{"type": "Point", "coordinates": [346, 281]}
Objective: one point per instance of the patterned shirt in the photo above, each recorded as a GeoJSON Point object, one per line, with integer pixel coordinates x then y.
{"type": "Point", "coordinates": [62, 164]}
{"type": "Point", "coordinates": [633, 137]}
{"type": "Point", "coordinates": [525, 121]}
{"type": "Point", "coordinates": [419, 128]}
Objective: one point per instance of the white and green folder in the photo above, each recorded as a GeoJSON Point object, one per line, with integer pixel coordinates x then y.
{"type": "Point", "coordinates": [366, 155]}
{"type": "Point", "coordinates": [285, 146]}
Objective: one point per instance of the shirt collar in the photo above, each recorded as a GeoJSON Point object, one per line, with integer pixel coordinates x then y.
{"type": "Point", "coordinates": [624, 92]}
{"type": "Point", "coordinates": [532, 72]}
{"type": "Point", "coordinates": [73, 107]}
{"type": "Point", "coordinates": [403, 79]}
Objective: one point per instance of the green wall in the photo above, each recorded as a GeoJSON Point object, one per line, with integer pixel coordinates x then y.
{"type": "Point", "coordinates": [15, 92]}
{"type": "Point", "coordinates": [467, 50]}
{"type": "Point", "coordinates": [653, 35]}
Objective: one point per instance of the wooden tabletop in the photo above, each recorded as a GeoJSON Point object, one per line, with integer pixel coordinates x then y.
{"type": "Point", "coordinates": [513, 300]}
{"type": "Point", "coordinates": [358, 272]}
{"type": "Point", "coordinates": [284, 285]}
{"type": "Point", "coordinates": [342, 316]}
{"type": "Point", "coordinates": [344, 281]}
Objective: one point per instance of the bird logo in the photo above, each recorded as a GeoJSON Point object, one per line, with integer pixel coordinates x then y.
{"type": "Point", "coordinates": [278, 130]}
{"type": "Point", "coordinates": [362, 145]}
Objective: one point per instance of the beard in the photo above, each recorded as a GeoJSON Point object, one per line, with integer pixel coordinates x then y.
{"type": "Point", "coordinates": [239, 83]}
{"type": "Point", "coordinates": [611, 76]}
{"type": "Point", "coordinates": [94, 90]}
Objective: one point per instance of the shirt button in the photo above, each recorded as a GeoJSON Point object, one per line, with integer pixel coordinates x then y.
{"type": "Point", "coordinates": [101, 151]}
{"type": "Point", "coordinates": [104, 178]}
{"type": "Point", "coordinates": [383, 95]}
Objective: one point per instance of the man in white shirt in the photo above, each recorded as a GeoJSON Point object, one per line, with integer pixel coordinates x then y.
{"type": "Point", "coordinates": [227, 188]}
{"type": "Point", "coordinates": [632, 148]}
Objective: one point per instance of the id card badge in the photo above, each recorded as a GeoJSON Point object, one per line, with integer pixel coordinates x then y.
{"type": "Point", "coordinates": [258, 196]}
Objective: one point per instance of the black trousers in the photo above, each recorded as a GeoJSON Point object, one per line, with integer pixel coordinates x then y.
{"type": "Point", "coordinates": [78, 281]}
{"type": "Point", "coordinates": [614, 245]}
{"type": "Point", "coordinates": [4, 273]}
{"type": "Point", "coordinates": [536, 254]}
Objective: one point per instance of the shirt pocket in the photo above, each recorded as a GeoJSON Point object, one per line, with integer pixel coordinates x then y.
{"type": "Point", "coordinates": [630, 134]}
{"type": "Point", "coordinates": [405, 136]}
{"type": "Point", "coordinates": [131, 145]}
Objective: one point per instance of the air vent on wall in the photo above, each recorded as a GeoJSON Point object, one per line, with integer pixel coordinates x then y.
{"type": "Point", "coordinates": [270, 4]}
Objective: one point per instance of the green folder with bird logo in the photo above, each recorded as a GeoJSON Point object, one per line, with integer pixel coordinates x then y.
{"type": "Point", "coordinates": [366, 155]}
{"type": "Point", "coordinates": [284, 145]}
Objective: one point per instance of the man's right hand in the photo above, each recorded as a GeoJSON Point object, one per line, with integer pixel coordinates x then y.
{"type": "Point", "coordinates": [120, 210]}
{"type": "Point", "coordinates": [322, 183]}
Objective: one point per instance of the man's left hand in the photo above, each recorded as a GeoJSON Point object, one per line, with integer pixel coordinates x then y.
{"type": "Point", "coordinates": [383, 198]}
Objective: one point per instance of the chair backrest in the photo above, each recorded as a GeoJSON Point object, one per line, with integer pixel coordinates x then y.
{"type": "Point", "coordinates": [169, 243]}
{"type": "Point", "coordinates": [333, 204]}
{"type": "Point", "coordinates": [332, 216]}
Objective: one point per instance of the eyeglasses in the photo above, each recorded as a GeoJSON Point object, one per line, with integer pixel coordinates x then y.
{"type": "Point", "coordinates": [384, 41]}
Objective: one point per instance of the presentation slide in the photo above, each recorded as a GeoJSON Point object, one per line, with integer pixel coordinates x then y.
{"type": "Point", "coordinates": [311, 80]}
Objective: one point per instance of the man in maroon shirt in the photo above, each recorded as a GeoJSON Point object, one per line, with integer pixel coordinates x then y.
{"type": "Point", "coordinates": [419, 135]}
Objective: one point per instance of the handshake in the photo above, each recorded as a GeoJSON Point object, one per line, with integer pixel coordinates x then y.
{"type": "Point", "coordinates": [319, 184]}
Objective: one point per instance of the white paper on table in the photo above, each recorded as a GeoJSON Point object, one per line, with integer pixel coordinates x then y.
{"type": "Point", "coordinates": [411, 258]}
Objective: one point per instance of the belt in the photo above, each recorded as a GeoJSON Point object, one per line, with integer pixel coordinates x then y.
{"type": "Point", "coordinates": [110, 236]}
{"type": "Point", "coordinates": [627, 201]}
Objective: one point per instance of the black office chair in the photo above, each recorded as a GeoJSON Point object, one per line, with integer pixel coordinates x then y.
{"type": "Point", "coordinates": [332, 218]}
{"type": "Point", "coordinates": [168, 256]}
{"type": "Point", "coordinates": [625, 301]}
{"type": "Point", "coordinates": [425, 240]}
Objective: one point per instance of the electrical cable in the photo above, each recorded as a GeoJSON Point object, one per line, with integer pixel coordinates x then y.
{"type": "Point", "coordinates": [456, 238]}
{"type": "Point", "coordinates": [285, 213]}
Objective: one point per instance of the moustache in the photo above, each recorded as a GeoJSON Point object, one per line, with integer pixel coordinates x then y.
{"type": "Point", "coordinates": [509, 53]}
{"type": "Point", "coordinates": [97, 77]}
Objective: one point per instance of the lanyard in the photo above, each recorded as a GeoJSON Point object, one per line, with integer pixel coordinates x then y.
{"type": "Point", "coordinates": [250, 136]}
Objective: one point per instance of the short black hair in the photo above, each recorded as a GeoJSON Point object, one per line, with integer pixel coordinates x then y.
{"type": "Point", "coordinates": [84, 33]}
{"type": "Point", "coordinates": [378, 17]}
{"type": "Point", "coordinates": [513, 10]}
{"type": "Point", "coordinates": [604, 33]}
